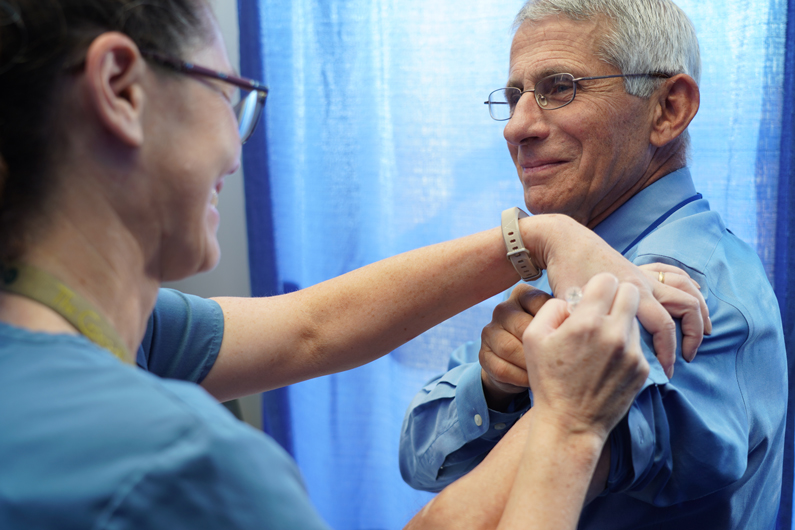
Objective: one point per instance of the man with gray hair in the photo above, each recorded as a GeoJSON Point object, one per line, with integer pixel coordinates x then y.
{"type": "Point", "coordinates": [597, 105]}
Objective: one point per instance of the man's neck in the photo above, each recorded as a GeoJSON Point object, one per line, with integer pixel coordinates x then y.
{"type": "Point", "coordinates": [661, 165]}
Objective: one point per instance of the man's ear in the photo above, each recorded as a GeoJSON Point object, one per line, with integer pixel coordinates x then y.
{"type": "Point", "coordinates": [114, 72]}
{"type": "Point", "coordinates": [676, 104]}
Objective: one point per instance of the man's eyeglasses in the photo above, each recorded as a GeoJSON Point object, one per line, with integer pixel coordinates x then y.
{"type": "Point", "coordinates": [552, 92]}
{"type": "Point", "coordinates": [249, 98]}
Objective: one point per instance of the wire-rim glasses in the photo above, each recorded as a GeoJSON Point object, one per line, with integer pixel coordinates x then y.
{"type": "Point", "coordinates": [248, 101]}
{"type": "Point", "coordinates": [552, 92]}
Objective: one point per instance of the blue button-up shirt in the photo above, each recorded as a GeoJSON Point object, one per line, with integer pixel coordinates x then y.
{"type": "Point", "coordinates": [704, 450]}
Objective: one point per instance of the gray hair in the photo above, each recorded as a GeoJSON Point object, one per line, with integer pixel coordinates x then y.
{"type": "Point", "coordinates": [645, 36]}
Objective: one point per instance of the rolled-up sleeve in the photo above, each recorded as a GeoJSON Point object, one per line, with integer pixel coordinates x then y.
{"type": "Point", "coordinates": [448, 428]}
{"type": "Point", "coordinates": [699, 416]}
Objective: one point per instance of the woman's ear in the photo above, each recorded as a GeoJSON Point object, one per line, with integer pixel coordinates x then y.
{"type": "Point", "coordinates": [115, 70]}
{"type": "Point", "coordinates": [676, 104]}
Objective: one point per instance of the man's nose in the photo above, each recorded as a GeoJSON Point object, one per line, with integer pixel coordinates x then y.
{"type": "Point", "coordinates": [528, 121]}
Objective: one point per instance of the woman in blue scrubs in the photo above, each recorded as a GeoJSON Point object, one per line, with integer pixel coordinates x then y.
{"type": "Point", "coordinates": [119, 121]}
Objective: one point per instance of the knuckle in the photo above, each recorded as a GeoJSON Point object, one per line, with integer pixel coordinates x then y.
{"type": "Point", "coordinates": [642, 367]}
{"type": "Point", "coordinates": [590, 324]}
{"type": "Point", "coordinates": [668, 325]}
{"type": "Point", "coordinates": [614, 341]}
{"type": "Point", "coordinates": [484, 357]}
{"type": "Point", "coordinates": [519, 291]}
{"type": "Point", "coordinates": [507, 346]}
{"type": "Point", "coordinates": [489, 362]}
{"type": "Point", "coordinates": [499, 372]}
{"type": "Point", "coordinates": [489, 330]}
{"type": "Point", "coordinates": [501, 311]}
{"type": "Point", "coordinates": [689, 302]}
{"type": "Point", "coordinates": [694, 304]}
{"type": "Point", "coordinates": [640, 281]}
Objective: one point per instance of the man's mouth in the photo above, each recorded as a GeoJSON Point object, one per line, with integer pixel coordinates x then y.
{"type": "Point", "coordinates": [541, 163]}
{"type": "Point", "coordinates": [537, 166]}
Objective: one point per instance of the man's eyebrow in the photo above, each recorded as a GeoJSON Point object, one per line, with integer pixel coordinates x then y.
{"type": "Point", "coordinates": [541, 74]}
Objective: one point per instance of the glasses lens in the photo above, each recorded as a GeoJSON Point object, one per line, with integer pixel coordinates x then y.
{"type": "Point", "coordinates": [502, 102]}
{"type": "Point", "coordinates": [248, 110]}
{"type": "Point", "coordinates": [555, 91]}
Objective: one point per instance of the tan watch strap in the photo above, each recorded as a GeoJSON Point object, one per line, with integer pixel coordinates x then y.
{"type": "Point", "coordinates": [517, 253]}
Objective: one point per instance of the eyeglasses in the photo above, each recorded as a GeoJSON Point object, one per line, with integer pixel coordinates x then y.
{"type": "Point", "coordinates": [552, 92]}
{"type": "Point", "coordinates": [247, 102]}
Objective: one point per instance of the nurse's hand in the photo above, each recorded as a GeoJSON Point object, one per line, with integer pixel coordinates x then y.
{"type": "Point", "coordinates": [586, 368]}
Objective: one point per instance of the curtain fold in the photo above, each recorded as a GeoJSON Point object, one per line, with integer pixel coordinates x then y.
{"type": "Point", "coordinates": [376, 141]}
{"type": "Point", "coordinates": [259, 212]}
{"type": "Point", "coordinates": [785, 251]}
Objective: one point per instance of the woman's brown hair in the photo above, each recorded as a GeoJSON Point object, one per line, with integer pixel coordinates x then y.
{"type": "Point", "coordinates": [40, 40]}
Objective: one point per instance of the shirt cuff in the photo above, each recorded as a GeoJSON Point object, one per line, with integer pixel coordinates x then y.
{"type": "Point", "coordinates": [475, 419]}
{"type": "Point", "coordinates": [500, 422]}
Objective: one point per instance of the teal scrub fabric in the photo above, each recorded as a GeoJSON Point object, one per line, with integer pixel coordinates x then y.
{"type": "Point", "coordinates": [87, 442]}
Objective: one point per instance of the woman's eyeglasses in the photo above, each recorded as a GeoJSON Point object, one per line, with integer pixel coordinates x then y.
{"type": "Point", "coordinates": [249, 97]}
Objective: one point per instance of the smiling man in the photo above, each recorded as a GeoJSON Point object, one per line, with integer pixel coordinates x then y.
{"type": "Point", "coordinates": [598, 101]}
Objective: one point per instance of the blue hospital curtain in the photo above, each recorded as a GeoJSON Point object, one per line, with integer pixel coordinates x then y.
{"type": "Point", "coordinates": [375, 141]}
{"type": "Point", "coordinates": [784, 278]}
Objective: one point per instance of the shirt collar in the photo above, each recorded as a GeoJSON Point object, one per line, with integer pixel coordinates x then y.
{"type": "Point", "coordinates": [624, 225]}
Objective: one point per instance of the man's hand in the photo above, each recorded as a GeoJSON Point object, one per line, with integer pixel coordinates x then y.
{"type": "Point", "coordinates": [585, 369]}
{"type": "Point", "coordinates": [678, 306]}
{"type": "Point", "coordinates": [574, 254]}
{"type": "Point", "coordinates": [502, 358]}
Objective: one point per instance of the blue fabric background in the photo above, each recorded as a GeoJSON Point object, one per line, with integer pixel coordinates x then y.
{"type": "Point", "coordinates": [375, 140]}
{"type": "Point", "coordinates": [784, 279]}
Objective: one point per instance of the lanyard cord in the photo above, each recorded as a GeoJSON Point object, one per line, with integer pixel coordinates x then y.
{"type": "Point", "coordinates": [31, 282]}
{"type": "Point", "coordinates": [660, 220]}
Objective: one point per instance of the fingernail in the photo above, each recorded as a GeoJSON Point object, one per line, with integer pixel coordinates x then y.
{"type": "Point", "coordinates": [697, 284]}
{"type": "Point", "coordinates": [670, 372]}
{"type": "Point", "coordinates": [709, 325]}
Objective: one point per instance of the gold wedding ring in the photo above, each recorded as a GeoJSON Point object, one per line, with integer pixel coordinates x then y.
{"type": "Point", "coordinates": [661, 277]}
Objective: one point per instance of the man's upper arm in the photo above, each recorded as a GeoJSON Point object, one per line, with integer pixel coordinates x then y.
{"type": "Point", "coordinates": [689, 437]}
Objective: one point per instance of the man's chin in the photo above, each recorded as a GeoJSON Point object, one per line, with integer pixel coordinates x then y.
{"type": "Point", "coordinates": [548, 203]}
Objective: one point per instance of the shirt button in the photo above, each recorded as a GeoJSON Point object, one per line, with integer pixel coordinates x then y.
{"type": "Point", "coordinates": [499, 426]}
{"type": "Point", "coordinates": [478, 420]}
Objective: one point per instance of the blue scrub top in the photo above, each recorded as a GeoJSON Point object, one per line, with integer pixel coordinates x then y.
{"type": "Point", "coordinates": [88, 442]}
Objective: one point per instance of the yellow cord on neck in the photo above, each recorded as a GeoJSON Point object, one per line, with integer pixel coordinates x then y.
{"type": "Point", "coordinates": [31, 282]}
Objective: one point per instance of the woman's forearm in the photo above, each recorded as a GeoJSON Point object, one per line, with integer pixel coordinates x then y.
{"type": "Point", "coordinates": [357, 317]}
{"type": "Point", "coordinates": [504, 489]}
{"type": "Point", "coordinates": [553, 480]}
